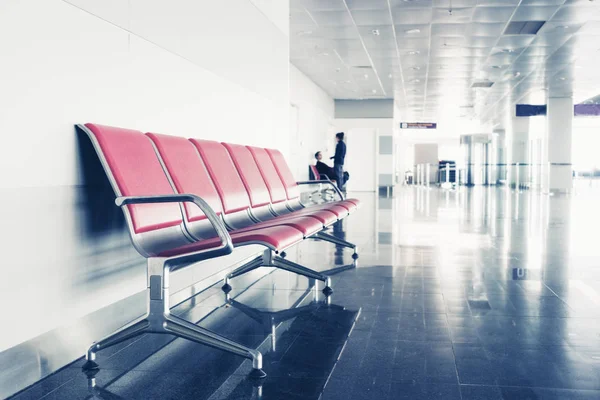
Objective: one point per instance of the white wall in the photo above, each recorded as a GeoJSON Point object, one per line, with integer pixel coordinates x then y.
{"type": "Point", "coordinates": [184, 67]}
{"type": "Point", "coordinates": [311, 119]}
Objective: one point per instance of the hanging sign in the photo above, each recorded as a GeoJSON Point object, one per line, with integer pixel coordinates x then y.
{"type": "Point", "coordinates": [418, 125]}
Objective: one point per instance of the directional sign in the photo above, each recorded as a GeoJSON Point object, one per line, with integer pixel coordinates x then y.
{"type": "Point", "coordinates": [418, 125]}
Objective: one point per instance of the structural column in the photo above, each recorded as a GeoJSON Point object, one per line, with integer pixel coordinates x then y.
{"type": "Point", "coordinates": [518, 163]}
{"type": "Point", "coordinates": [498, 157]}
{"type": "Point", "coordinates": [559, 134]}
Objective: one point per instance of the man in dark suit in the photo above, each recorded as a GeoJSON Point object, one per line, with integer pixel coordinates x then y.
{"type": "Point", "coordinates": [323, 168]}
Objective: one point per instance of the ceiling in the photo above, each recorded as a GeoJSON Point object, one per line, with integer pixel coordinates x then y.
{"type": "Point", "coordinates": [427, 54]}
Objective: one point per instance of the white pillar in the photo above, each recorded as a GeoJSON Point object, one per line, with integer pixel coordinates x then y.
{"type": "Point", "coordinates": [559, 136]}
{"type": "Point", "coordinates": [498, 156]}
{"type": "Point", "coordinates": [519, 153]}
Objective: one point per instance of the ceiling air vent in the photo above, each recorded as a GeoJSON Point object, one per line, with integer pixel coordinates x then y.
{"type": "Point", "coordinates": [482, 84]}
{"type": "Point", "coordinates": [362, 66]}
{"type": "Point", "coordinates": [524, 27]}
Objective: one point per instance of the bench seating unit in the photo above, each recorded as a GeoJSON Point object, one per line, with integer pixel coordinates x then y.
{"type": "Point", "coordinates": [186, 201]}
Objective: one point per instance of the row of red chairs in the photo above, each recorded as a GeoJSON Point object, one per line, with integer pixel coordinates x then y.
{"type": "Point", "coordinates": [191, 200]}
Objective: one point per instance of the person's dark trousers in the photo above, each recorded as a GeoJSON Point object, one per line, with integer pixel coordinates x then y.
{"type": "Point", "coordinates": [339, 175]}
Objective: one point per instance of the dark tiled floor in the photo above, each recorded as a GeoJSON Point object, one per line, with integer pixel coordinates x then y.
{"type": "Point", "coordinates": [477, 294]}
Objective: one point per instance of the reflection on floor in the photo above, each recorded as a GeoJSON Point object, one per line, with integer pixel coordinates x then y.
{"type": "Point", "coordinates": [481, 293]}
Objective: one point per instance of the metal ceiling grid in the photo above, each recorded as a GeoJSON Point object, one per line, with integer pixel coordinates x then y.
{"type": "Point", "coordinates": [427, 54]}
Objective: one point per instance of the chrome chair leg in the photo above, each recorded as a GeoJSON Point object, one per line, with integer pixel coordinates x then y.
{"type": "Point", "coordinates": [249, 266]}
{"type": "Point", "coordinates": [340, 242]}
{"type": "Point", "coordinates": [187, 330]}
{"type": "Point", "coordinates": [304, 271]}
{"type": "Point", "coordinates": [127, 332]}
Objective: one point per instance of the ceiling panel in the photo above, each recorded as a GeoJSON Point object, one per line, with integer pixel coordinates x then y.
{"type": "Point", "coordinates": [573, 13]}
{"type": "Point", "coordinates": [409, 16]}
{"type": "Point", "coordinates": [534, 13]}
{"type": "Point", "coordinates": [485, 29]}
{"type": "Point", "coordinates": [411, 4]}
{"type": "Point", "coordinates": [332, 18]}
{"type": "Point", "coordinates": [367, 5]}
{"type": "Point", "coordinates": [485, 42]}
{"type": "Point", "coordinates": [413, 31]}
{"type": "Point", "coordinates": [408, 44]}
{"type": "Point", "coordinates": [515, 41]}
{"type": "Point", "coordinates": [318, 5]}
{"type": "Point", "coordinates": [454, 3]}
{"type": "Point", "coordinates": [339, 32]}
{"type": "Point", "coordinates": [492, 14]}
{"type": "Point", "coordinates": [458, 29]}
{"type": "Point", "coordinates": [458, 15]}
{"type": "Point", "coordinates": [371, 17]}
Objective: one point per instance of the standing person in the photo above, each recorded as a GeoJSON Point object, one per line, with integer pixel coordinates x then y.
{"type": "Point", "coordinates": [338, 159]}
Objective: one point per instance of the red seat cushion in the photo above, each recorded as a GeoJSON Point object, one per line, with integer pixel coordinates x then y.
{"type": "Point", "coordinates": [277, 238]}
{"type": "Point", "coordinates": [326, 217]}
{"type": "Point", "coordinates": [305, 224]}
{"type": "Point", "coordinates": [136, 171]}
{"type": "Point", "coordinates": [350, 206]}
{"type": "Point", "coordinates": [339, 211]}
{"type": "Point", "coordinates": [356, 202]}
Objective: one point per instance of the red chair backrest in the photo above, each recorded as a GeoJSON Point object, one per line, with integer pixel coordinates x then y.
{"type": "Point", "coordinates": [269, 174]}
{"type": "Point", "coordinates": [285, 174]}
{"type": "Point", "coordinates": [134, 170]}
{"type": "Point", "coordinates": [250, 174]}
{"type": "Point", "coordinates": [187, 172]}
{"type": "Point", "coordinates": [315, 172]}
{"type": "Point", "coordinates": [224, 175]}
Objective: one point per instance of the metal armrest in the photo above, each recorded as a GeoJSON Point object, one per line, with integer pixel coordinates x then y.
{"type": "Point", "coordinates": [325, 181]}
{"type": "Point", "coordinates": [216, 222]}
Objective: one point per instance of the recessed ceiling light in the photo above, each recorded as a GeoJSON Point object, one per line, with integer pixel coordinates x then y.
{"type": "Point", "coordinates": [390, 76]}
{"type": "Point", "coordinates": [562, 78]}
{"type": "Point", "coordinates": [517, 74]}
{"type": "Point", "coordinates": [325, 54]}
{"type": "Point", "coordinates": [414, 52]}
{"type": "Point", "coordinates": [337, 70]}
{"type": "Point", "coordinates": [374, 91]}
{"type": "Point", "coordinates": [562, 27]}
{"type": "Point", "coordinates": [412, 31]}
{"type": "Point", "coordinates": [366, 76]}
{"type": "Point", "coordinates": [508, 50]}
{"type": "Point", "coordinates": [375, 32]}
{"type": "Point", "coordinates": [347, 82]}
{"type": "Point", "coordinates": [415, 81]}
{"type": "Point", "coordinates": [415, 68]}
